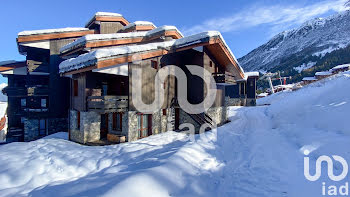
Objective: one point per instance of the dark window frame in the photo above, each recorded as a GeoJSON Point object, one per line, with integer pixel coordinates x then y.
{"type": "Point", "coordinates": [114, 123]}
{"type": "Point", "coordinates": [78, 120]}
{"type": "Point", "coordinates": [42, 129]}
{"type": "Point", "coordinates": [154, 64]}
{"type": "Point", "coordinates": [75, 87]}
{"type": "Point", "coordinates": [149, 125]}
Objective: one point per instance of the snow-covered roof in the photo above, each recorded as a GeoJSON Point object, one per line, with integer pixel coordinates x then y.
{"type": "Point", "coordinates": [2, 63]}
{"type": "Point", "coordinates": [341, 66]}
{"type": "Point", "coordinates": [323, 73]}
{"type": "Point", "coordinates": [109, 14]}
{"type": "Point", "coordinates": [51, 31]}
{"type": "Point", "coordinates": [263, 94]}
{"type": "Point", "coordinates": [164, 28]}
{"type": "Point", "coordinates": [309, 79]}
{"type": "Point", "coordinates": [93, 57]}
{"type": "Point", "coordinates": [99, 37]}
{"type": "Point", "coordinates": [138, 23]}
{"type": "Point", "coordinates": [251, 74]}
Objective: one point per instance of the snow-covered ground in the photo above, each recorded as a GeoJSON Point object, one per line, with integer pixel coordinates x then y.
{"type": "Point", "coordinates": [259, 153]}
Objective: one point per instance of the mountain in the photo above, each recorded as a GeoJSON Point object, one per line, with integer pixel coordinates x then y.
{"type": "Point", "coordinates": [318, 44]}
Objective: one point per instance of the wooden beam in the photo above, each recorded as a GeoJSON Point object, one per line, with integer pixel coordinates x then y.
{"type": "Point", "coordinates": [80, 70]}
{"type": "Point", "coordinates": [125, 59]}
{"type": "Point", "coordinates": [120, 19]}
{"type": "Point", "coordinates": [32, 38]}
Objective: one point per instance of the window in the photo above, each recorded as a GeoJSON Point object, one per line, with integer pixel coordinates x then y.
{"type": "Point", "coordinates": [43, 103]}
{"type": "Point", "coordinates": [22, 120]}
{"type": "Point", "coordinates": [144, 125]}
{"type": "Point", "coordinates": [78, 120]}
{"type": "Point", "coordinates": [42, 127]}
{"type": "Point", "coordinates": [164, 112]}
{"type": "Point", "coordinates": [75, 87]}
{"type": "Point", "coordinates": [211, 64]}
{"type": "Point", "coordinates": [23, 102]}
{"type": "Point", "coordinates": [154, 64]}
{"type": "Point", "coordinates": [242, 89]}
{"type": "Point", "coordinates": [104, 89]}
{"type": "Point", "coordinates": [117, 121]}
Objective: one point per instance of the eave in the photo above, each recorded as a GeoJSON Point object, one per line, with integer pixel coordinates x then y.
{"type": "Point", "coordinates": [32, 38]}
{"type": "Point", "coordinates": [123, 41]}
{"type": "Point", "coordinates": [215, 45]}
{"type": "Point", "coordinates": [120, 19]}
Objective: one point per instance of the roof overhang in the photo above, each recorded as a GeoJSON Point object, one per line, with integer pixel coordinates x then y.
{"type": "Point", "coordinates": [98, 19]}
{"type": "Point", "coordinates": [15, 67]}
{"type": "Point", "coordinates": [42, 41]}
{"type": "Point", "coordinates": [138, 28]}
{"type": "Point", "coordinates": [121, 41]}
{"type": "Point", "coordinates": [214, 44]}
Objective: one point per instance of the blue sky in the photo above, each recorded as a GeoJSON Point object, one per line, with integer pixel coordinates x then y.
{"type": "Point", "coordinates": [244, 24]}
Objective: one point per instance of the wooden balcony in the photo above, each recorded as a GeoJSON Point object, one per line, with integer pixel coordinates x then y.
{"type": "Point", "coordinates": [106, 104]}
{"type": "Point", "coordinates": [224, 78]}
{"type": "Point", "coordinates": [15, 91]}
{"type": "Point", "coordinates": [38, 91]}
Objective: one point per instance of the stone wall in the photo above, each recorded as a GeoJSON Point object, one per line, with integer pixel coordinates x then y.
{"type": "Point", "coordinates": [185, 118]}
{"type": "Point", "coordinates": [89, 126]}
{"type": "Point", "coordinates": [240, 101]}
{"type": "Point", "coordinates": [218, 114]}
{"type": "Point", "coordinates": [57, 125]}
{"type": "Point", "coordinates": [76, 135]}
{"type": "Point", "coordinates": [31, 129]}
{"type": "Point", "coordinates": [251, 102]}
{"type": "Point", "coordinates": [159, 124]}
{"type": "Point", "coordinates": [132, 122]}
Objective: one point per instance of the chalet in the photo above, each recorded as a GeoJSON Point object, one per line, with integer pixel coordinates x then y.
{"type": "Point", "coordinates": [340, 68]}
{"type": "Point", "coordinates": [100, 65]}
{"type": "Point", "coordinates": [38, 98]}
{"type": "Point", "coordinates": [80, 80]}
{"type": "Point", "coordinates": [308, 80]}
{"type": "Point", "coordinates": [323, 74]}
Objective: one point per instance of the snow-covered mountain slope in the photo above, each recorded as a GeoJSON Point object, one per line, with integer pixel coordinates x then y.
{"type": "Point", "coordinates": [315, 38]}
{"type": "Point", "coordinates": [259, 153]}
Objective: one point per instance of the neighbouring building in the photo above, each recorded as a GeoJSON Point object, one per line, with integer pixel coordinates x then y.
{"type": "Point", "coordinates": [323, 74]}
{"type": "Point", "coordinates": [38, 98]}
{"type": "Point", "coordinates": [80, 80]}
{"type": "Point", "coordinates": [340, 68]}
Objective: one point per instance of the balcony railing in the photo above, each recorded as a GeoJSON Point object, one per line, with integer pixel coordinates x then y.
{"type": "Point", "coordinates": [105, 104]}
{"type": "Point", "coordinates": [224, 78]}
{"type": "Point", "coordinates": [26, 91]}
{"type": "Point", "coordinates": [14, 91]}
{"type": "Point", "coordinates": [38, 91]}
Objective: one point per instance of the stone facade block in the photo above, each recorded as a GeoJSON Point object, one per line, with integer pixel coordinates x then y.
{"type": "Point", "coordinates": [89, 126]}
{"type": "Point", "coordinates": [31, 129]}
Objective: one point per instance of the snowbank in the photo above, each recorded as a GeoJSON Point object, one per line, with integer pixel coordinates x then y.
{"type": "Point", "coordinates": [259, 153]}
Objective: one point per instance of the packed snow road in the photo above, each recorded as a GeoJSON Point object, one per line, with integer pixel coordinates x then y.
{"type": "Point", "coordinates": [259, 153]}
